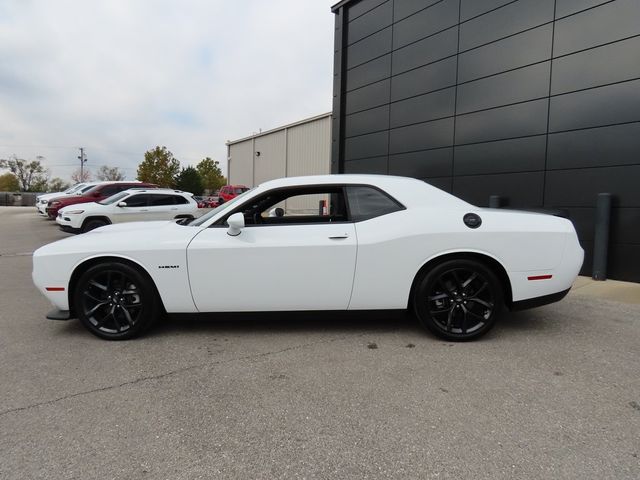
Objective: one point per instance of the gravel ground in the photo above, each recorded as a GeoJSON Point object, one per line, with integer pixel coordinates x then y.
{"type": "Point", "coordinates": [549, 393]}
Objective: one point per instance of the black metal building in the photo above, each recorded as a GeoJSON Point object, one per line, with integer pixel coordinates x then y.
{"type": "Point", "coordinates": [537, 101]}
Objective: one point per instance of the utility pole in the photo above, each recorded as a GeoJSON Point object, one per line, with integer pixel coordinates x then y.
{"type": "Point", "coordinates": [83, 158]}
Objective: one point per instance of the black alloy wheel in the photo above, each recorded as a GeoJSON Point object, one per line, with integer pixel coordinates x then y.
{"type": "Point", "coordinates": [459, 299]}
{"type": "Point", "coordinates": [92, 224]}
{"type": "Point", "coordinates": [115, 301]}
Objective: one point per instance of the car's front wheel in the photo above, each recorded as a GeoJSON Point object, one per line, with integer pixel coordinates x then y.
{"type": "Point", "coordinates": [92, 224]}
{"type": "Point", "coordinates": [458, 299]}
{"type": "Point", "coordinates": [115, 301]}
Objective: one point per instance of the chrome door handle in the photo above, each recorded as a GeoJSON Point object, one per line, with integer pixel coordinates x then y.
{"type": "Point", "coordinates": [339, 237]}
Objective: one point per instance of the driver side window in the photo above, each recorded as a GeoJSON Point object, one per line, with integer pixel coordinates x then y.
{"type": "Point", "coordinates": [137, 201]}
{"type": "Point", "coordinates": [297, 206]}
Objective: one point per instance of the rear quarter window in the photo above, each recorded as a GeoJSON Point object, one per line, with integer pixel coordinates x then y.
{"type": "Point", "coordinates": [368, 202]}
{"type": "Point", "coordinates": [180, 200]}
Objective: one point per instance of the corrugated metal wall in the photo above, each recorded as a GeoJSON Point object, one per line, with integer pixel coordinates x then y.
{"type": "Point", "coordinates": [309, 148]}
{"type": "Point", "coordinates": [241, 163]}
{"type": "Point", "coordinates": [296, 150]}
{"type": "Point", "coordinates": [271, 157]}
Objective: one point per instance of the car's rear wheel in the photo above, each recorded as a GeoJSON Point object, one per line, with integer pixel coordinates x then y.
{"type": "Point", "coordinates": [115, 301]}
{"type": "Point", "coordinates": [458, 299]}
{"type": "Point", "coordinates": [92, 224]}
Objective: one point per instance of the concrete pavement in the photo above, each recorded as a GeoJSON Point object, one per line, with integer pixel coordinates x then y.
{"type": "Point", "coordinates": [549, 393]}
{"type": "Point", "coordinates": [625, 292]}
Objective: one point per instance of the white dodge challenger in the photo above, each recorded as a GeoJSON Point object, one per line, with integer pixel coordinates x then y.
{"type": "Point", "coordinates": [332, 242]}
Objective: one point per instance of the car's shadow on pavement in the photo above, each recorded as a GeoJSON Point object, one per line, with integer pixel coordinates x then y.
{"type": "Point", "coordinates": [512, 324]}
{"type": "Point", "coordinates": [529, 322]}
{"type": "Point", "coordinates": [288, 322]}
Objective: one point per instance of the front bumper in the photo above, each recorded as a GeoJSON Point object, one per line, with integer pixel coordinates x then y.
{"type": "Point", "coordinates": [69, 223]}
{"type": "Point", "coordinates": [57, 314]}
{"type": "Point", "coordinates": [41, 207]}
{"type": "Point", "coordinates": [52, 212]}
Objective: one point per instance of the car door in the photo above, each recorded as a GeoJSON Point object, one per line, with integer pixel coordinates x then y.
{"type": "Point", "coordinates": [136, 210]}
{"type": "Point", "coordinates": [161, 207]}
{"type": "Point", "coordinates": [183, 206]}
{"type": "Point", "coordinates": [277, 263]}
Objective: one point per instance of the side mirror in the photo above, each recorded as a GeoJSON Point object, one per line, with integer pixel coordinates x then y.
{"type": "Point", "coordinates": [122, 204]}
{"type": "Point", "coordinates": [236, 224]}
{"type": "Point", "coordinates": [276, 212]}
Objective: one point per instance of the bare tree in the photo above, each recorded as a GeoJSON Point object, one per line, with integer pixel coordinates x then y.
{"type": "Point", "coordinates": [28, 173]}
{"type": "Point", "coordinates": [109, 173]}
{"type": "Point", "coordinates": [81, 176]}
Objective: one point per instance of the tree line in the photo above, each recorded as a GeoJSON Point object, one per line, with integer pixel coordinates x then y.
{"type": "Point", "coordinates": [159, 166]}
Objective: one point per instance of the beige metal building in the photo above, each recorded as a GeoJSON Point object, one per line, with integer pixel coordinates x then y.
{"type": "Point", "coordinates": [300, 148]}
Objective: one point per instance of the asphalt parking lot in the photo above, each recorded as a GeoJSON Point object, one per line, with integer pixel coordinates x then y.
{"type": "Point", "coordinates": [549, 393]}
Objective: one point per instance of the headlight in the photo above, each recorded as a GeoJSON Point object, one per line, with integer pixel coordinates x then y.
{"type": "Point", "coordinates": [73, 212]}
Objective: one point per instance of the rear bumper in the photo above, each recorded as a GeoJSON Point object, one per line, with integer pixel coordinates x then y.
{"type": "Point", "coordinates": [535, 284]}
{"type": "Point", "coordinates": [538, 301]}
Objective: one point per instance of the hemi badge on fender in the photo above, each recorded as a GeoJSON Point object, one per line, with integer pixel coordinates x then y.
{"type": "Point", "coordinates": [540, 277]}
{"type": "Point", "coordinates": [54, 289]}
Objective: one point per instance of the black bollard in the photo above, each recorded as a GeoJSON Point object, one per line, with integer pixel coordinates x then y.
{"type": "Point", "coordinates": [601, 241]}
{"type": "Point", "coordinates": [495, 201]}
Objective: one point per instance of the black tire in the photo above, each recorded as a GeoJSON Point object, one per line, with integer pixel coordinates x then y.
{"type": "Point", "coordinates": [92, 224]}
{"type": "Point", "coordinates": [115, 301]}
{"type": "Point", "coordinates": [458, 300]}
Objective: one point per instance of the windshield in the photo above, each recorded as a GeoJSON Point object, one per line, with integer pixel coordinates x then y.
{"type": "Point", "coordinates": [199, 221]}
{"type": "Point", "coordinates": [74, 188]}
{"type": "Point", "coordinates": [114, 198]}
{"type": "Point", "coordinates": [84, 189]}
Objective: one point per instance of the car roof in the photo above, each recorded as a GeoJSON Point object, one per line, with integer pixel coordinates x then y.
{"type": "Point", "coordinates": [156, 191]}
{"type": "Point", "coordinates": [342, 178]}
{"type": "Point", "coordinates": [409, 191]}
{"type": "Point", "coordinates": [121, 181]}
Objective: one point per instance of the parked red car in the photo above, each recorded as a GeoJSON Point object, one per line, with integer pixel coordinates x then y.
{"type": "Point", "coordinates": [228, 192]}
{"type": "Point", "coordinates": [97, 193]}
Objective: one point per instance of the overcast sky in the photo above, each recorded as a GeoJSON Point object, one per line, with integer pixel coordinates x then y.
{"type": "Point", "coordinates": [121, 76]}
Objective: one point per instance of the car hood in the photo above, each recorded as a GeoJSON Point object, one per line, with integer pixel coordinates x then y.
{"type": "Point", "coordinates": [135, 226]}
{"type": "Point", "coordinates": [85, 206]}
{"type": "Point", "coordinates": [124, 238]}
{"type": "Point", "coordinates": [73, 199]}
{"type": "Point", "coordinates": [47, 196]}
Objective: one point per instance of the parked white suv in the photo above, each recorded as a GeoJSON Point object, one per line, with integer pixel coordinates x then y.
{"type": "Point", "coordinates": [133, 205]}
{"type": "Point", "coordinates": [43, 200]}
